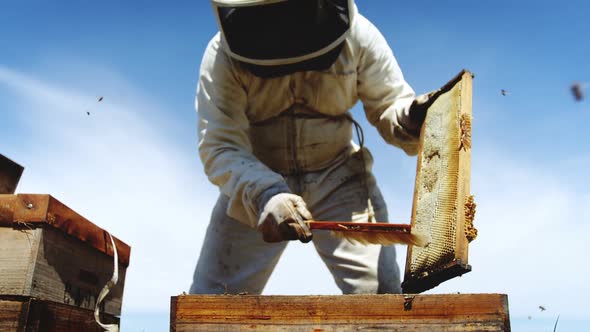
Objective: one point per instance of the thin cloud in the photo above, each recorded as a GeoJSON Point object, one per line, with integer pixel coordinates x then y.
{"type": "Point", "coordinates": [530, 243]}
{"type": "Point", "coordinates": [120, 171]}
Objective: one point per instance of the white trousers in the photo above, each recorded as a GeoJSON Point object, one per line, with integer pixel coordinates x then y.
{"type": "Point", "coordinates": [235, 259]}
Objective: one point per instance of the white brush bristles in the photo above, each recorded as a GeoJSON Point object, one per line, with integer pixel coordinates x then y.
{"type": "Point", "coordinates": [384, 238]}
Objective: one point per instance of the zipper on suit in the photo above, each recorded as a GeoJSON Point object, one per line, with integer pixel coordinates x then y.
{"type": "Point", "coordinates": [291, 130]}
{"type": "Point", "coordinates": [292, 138]}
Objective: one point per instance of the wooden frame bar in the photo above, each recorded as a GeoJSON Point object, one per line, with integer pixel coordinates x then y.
{"type": "Point", "coordinates": [448, 312]}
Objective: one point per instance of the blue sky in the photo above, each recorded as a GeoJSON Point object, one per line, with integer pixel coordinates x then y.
{"type": "Point", "coordinates": [131, 166]}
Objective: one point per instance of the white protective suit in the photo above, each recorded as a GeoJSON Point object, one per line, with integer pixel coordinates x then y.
{"type": "Point", "coordinates": [293, 133]}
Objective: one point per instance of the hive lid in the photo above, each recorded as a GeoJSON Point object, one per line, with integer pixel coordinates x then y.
{"type": "Point", "coordinates": [10, 173]}
{"type": "Point", "coordinates": [37, 210]}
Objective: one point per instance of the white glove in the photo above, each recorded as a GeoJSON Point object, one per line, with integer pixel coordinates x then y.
{"type": "Point", "coordinates": [283, 218]}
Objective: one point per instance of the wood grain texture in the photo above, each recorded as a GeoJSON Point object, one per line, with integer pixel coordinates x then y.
{"type": "Point", "coordinates": [69, 272]}
{"type": "Point", "coordinates": [464, 180]}
{"type": "Point", "coordinates": [452, 312]}
{"type": "Point", "coordinates": [46, 264]}
{"type": "Point", "coordinates": [18, 255]}
{"type": "Point", "coordinates": [38, 210]}
{"type": "Point", "coordinates": [29, 314]}
{"type": "Point", "coordinates": [50, 252]}
{"type": "Point", "coordinates": [13, 315]}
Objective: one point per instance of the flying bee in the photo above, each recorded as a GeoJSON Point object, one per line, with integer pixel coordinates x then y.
{"type": "Point", "coordinates": [577, 90]}
{"type": "Point", "coordinates": [98, 100]}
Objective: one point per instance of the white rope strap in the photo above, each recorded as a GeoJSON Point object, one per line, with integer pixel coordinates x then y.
{"type": "Point", "coordinates": [106, 289]}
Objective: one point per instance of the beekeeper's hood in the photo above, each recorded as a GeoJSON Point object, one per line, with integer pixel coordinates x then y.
{"type": "Point", "coordinates": [282, 32]}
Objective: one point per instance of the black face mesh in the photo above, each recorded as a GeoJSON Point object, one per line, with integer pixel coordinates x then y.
{"type": "Point", "coordinates": [284, 30]}
{"type": "Point", "coordinates": [322, 62]}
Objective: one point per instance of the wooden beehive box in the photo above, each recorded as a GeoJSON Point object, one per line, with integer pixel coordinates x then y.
{"type": "Point", "coordinates": [419, 313]}
{"type": "Point", "coordinates": [443, 206]}
{"type": "Point", "coordinates": [19, 314]}
{"type": "Point", "coordinates": [51, 253]}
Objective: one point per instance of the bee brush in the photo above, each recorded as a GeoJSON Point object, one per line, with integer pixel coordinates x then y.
{"type": "Point", "coordinates": [373, 233]}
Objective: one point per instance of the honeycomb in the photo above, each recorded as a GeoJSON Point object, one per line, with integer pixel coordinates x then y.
{"type": "Point", "coordinates": [436, 187]}
{"type": "Point", "coordinates": [470, 230]}
{"type": "Point", "coordinates": [443, 207]}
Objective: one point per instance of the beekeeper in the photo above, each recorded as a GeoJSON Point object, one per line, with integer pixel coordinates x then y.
{"type": "Point", "coordinates": [275, 135]}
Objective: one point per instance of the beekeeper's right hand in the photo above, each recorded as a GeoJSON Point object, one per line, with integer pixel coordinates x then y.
{"type": "Point", "coordinates": [283, 218]}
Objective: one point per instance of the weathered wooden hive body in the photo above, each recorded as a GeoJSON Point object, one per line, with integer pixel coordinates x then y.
{"type": "Point", "coordinates": [343, 313]}
{"type": "Point", "coordinates": [55, 262]}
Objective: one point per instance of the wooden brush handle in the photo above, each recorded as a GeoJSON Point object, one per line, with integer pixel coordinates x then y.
{"type": "Point", "coordinates": [358, 226]}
